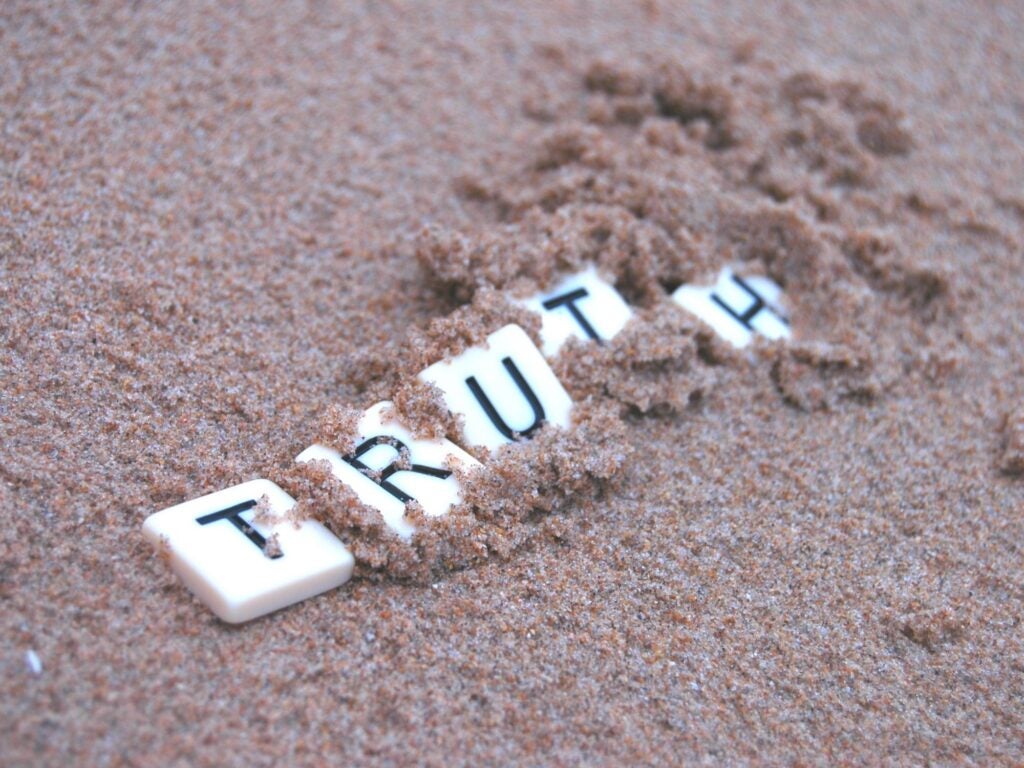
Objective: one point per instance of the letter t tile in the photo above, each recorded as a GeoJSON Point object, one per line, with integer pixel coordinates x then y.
{"type": "Point", "coordinates": [242, 569]}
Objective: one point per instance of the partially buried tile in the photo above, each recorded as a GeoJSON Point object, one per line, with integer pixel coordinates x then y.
{"type": "Point", "coordinates": [504, 391]}
{"type": "Point", "coordinates": [243, 569]}
{"type": "Point", "coordinates": [583, 306]}
{"type": "Point", "coordinates": [389, 468]}
{"type": "Point", "coordinates": [737, 307]}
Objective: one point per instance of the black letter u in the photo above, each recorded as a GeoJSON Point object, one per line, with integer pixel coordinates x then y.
{"type": "Point", "coordinates": [491, 411]}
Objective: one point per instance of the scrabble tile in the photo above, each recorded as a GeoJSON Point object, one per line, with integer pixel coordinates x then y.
{"type": "Point", "coordinates": [504, 390]}
{"type": "Point", "coordinates": [429, 480]}
{"type": "Point", "coordinates": [737, 307]}
{"type": "Point", "coordinates": [218, 551]}
{"type": "Point", "coordinates": [582, 306]}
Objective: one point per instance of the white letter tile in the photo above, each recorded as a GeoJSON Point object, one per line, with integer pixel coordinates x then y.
{"type": "Point", "coordinates": [216, 549]}
{"type": "Point", "coordinates": [735, 307]}
{"type": "Point", "coordinates": [582, 306]}
{"type": "Point", "coordinates": [429, 479]}
{"type": "Point", "coordinates": [502, 390]}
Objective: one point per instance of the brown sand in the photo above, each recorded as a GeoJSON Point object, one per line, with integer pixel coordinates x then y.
{"type": "Point", "coordinates": [220, 228]}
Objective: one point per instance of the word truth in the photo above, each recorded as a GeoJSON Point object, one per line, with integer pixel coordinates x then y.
{"type": "Point", "coordinates": [239, 554]}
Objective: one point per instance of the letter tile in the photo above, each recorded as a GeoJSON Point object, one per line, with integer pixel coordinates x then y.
{"type": "Point", "coordinates": [242, 569]}
{"type": "Point", "coordinates": [582, 305]}
{"type": "Point", "coordinates": [735, 307]}
{"type": "Point", "coordinates": [389, 468]}
{"type": "Point", "coordinates": [504, 390]}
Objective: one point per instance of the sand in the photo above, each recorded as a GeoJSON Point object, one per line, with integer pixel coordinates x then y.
{"type": "Point", "coordinates": [221, 228]}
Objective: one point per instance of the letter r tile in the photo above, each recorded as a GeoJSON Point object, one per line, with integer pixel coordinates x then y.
{"type": "Point", "coordinates": [504, 390]}
{"type": "Point", "coordinates": [242, 569]}
{"type": "Point", "coordinates": [389, 468]}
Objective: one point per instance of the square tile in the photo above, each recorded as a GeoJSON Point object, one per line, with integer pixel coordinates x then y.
{"type": "Point", "coordinates": [428, 478]}
{"type": "Point", "coordinates": [583, 306]}
{"type": "Point", "coordinates": [737, 307]}
{"type": "Point", "coordinates": [218, 551]}
{"type": "Point", "coordinates": [504, 390]}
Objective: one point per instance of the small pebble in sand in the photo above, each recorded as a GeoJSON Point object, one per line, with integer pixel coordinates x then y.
{"type": "Point", "coordinates": [35, 664]}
